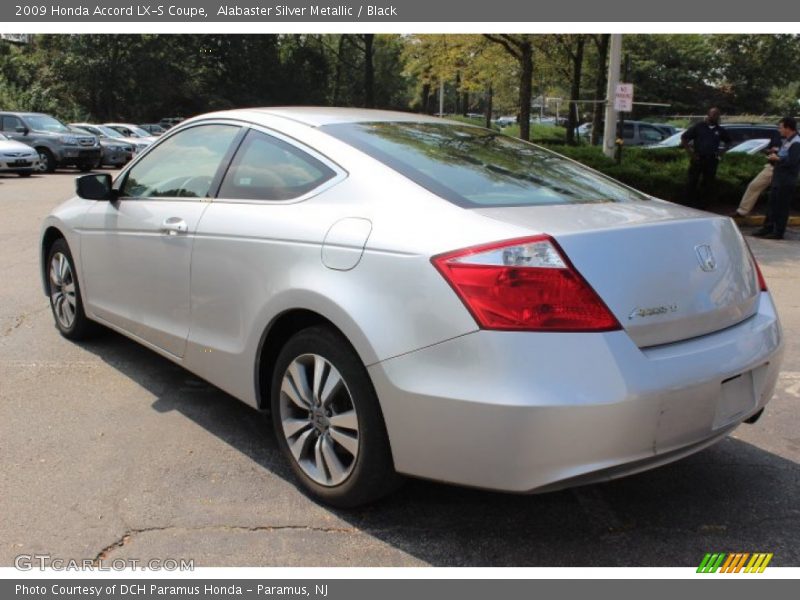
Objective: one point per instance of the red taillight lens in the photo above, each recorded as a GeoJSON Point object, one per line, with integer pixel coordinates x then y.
{"type": "Point", "coordinates": [524, 285]}
{"type": "Point", "coordinates": [762, 284]}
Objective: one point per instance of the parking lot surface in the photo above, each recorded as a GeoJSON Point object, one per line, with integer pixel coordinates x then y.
{"type": "Point", "coordinates": [110, 451]}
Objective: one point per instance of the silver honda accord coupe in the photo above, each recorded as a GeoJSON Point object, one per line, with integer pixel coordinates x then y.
{"type": "Point", "coordinates": [412, 296]}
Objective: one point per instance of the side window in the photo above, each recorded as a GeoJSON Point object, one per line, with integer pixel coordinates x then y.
{"type": "Point", "coordinates": [627, 131]}
{"type": "Point", "coordinates": [650, 134]}
{"type": "Point", "coordinates": [266, 168]}
{"type": "Point", "coordinates": [182, 166]}
{"type": "Point", "coordinates": [10, 123]}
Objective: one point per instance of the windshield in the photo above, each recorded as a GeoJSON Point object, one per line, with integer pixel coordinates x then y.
{"type": "Point", "coordinates": [46, 123]}
{"type": "Point", "coordinates": [751, 145]}
{"type": "Point", "coordinates": [475, 167]}
{"type": "Point", "coordinates": [672, 141]}
{"type": "Point", "coordinates": [108, 132]}
{"type": "Point", "coordinates": [138, 131]}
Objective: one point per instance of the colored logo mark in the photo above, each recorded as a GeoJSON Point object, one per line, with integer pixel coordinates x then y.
{"type": "Point", "coordinates": [735, 562]}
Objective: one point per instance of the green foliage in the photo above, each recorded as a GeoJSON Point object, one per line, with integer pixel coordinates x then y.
{"type": "Point", "coordinates": [662, 173]}
{"type": "Point", "coordinates": [145, 77]}
{"type": "Point", "coordinates": [783, 99]}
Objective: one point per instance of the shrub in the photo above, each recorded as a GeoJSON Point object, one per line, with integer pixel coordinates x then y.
{"type": "Point", "coordinates": [662, 173]}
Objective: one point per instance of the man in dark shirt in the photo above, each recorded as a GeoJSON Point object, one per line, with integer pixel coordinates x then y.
{"type": "Point", "coordinates": [702, 141]}
{"type": "Point", "coordinates": [784, 180]}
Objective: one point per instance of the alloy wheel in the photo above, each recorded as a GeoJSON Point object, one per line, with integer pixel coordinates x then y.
{"type": "Point", "coordinates": [319, 420]}
{"type": "Point", "coordinates": [62, 290]}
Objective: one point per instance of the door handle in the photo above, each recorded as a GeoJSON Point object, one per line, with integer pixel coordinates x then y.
{"type": "Point", "coordinates": [174, 226]}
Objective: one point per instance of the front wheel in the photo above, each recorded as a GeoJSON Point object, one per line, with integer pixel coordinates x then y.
{"type": "Point", "coordinates": [47, 162]}
{"type": "Point", "coordinates": [65, 294]}
{"type": "Point", "coordinates": [328, 422]}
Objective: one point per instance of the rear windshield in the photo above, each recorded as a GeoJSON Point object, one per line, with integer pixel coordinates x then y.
{"type": "Point", "coordinates": [475, 167]}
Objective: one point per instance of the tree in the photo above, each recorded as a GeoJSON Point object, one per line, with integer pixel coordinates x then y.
{"type": "Point", "coordinates": [520, 47]}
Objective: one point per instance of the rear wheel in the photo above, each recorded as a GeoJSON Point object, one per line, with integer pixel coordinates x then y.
{"type": "Point", "coordinates": [65, 294]}
{"type": "Point", "coordinates": [328, 421]}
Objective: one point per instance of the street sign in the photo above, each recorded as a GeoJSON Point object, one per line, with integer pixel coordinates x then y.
{"type": "Point", "coordinates": [623, 97]}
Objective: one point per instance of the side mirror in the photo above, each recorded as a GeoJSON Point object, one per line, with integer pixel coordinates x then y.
{"type": "Point", "coordinates": [95, 187]}
{"type": "Point", "coordinates": [22, 130]}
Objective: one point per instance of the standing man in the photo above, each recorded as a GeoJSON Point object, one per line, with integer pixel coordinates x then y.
{"type": "Point", "coordinates": [760, 182]}
{"type": "Point", "coordinates": [702, 141]}
{"type": "Point", "coordinates": [786, 162]}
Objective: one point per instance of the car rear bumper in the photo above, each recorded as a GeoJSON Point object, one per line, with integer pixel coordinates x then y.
{"type": "Point", "coordinates": [530, 412]}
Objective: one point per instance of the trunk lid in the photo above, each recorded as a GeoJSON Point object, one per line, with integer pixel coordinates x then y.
{"type": "Point", "coordinates": [668, 273]}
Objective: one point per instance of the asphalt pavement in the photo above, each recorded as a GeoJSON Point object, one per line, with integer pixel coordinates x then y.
{"type": "Point", "coordinates": [110, 451]}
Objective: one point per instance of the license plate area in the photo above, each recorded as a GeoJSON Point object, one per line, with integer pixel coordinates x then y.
{"type": "Point", "coordinates": [737, 398]}
{"type": "Point", "coordinates": [21, 162]}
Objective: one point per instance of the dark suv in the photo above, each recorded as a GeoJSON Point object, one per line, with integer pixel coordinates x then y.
{"type": "Point", "coordinates": [741, 132]}
{"type": "Point", "coordinates": [56, 144]}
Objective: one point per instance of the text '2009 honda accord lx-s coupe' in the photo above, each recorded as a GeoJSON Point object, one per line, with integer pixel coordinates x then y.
{"type": "Point", "coordinates": [412, 296]}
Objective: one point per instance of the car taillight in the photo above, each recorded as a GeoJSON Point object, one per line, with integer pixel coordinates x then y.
{"type": "Point", "coordinates": [762, 284]}
{"type": "Point", "coordinates": [525, 284]}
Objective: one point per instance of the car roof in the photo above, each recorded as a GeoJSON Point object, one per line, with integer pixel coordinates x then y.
{"type": "Point", "coordinates": [23, 113]}
{"type": "Point", "coordinates": [317, 116]}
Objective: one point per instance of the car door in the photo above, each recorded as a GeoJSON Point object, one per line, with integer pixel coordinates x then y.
{"type": "Point", "coordinates": [136, 251]}
{"type": "Point", "coordinates": [254, 234]}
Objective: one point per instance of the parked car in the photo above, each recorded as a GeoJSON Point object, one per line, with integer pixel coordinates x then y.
{"type": "Point", "coordinates": [418, 296]}
{"type": "Point", "coordinates": [114, 153]}
{"type": "Point", "coordinates": [55, 143]}
{"type": "Point", "coordinates": [130, 130]}
{"type": "Point", "coordinates": [742, 132]}
{"type": "Point", "coordinates": [153, 129]}
{"type": "Point", "coordinates": [754, 146]}
{"type": "Point", "coordinates": [635, 133]}
{"type": "Point", "coordinates": [137, 144]}
{"type": "Point", "coordinates": [738, 132]}
{"type": "Point", "coordinates": [16, 157]}
{"type": "Point", "coordinates": [673, 141]}
{"type": "Point", "coordinates": [168, 122]}
{"type": "Point", "coordinates": [505, 121]}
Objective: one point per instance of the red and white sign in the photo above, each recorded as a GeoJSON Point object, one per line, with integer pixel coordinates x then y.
{"type": "Point", "coordinates": [623, 97]}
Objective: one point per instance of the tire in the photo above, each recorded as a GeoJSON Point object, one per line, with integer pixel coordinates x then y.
{"type": "Point", "coordinates": [65, 293]}
{"type": "Point", "coordinates": [85, 167]}
{"type": "Point", "coordinates": [47, 162]}
{"type": "Point", "coordinates": [335, 439]}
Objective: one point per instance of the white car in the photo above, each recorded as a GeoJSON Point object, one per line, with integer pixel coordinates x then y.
{"type": "Point", "coordinates": [409, 295]}
{"type": "Point", "coordinates": [16, 157]}
{"type": "Point", "coordinates": [754, 146]}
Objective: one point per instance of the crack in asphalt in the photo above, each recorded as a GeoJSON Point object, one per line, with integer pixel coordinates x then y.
{"type": "Point", "coordinates": [126, 537]}
{"type": "Point", "coordinates": [20, 319]}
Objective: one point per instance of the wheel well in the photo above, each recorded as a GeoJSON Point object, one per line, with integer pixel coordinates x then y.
{"type": "Point", "coordinates": [50, 236]}
{"type": "Point", "coordinates": [277, 334]}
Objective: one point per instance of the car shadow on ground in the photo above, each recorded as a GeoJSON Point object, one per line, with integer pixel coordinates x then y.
{"type": "Point", "coordinates": [733, 497]}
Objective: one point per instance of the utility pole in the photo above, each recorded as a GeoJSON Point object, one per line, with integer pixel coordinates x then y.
{"type": "Point", "coordinates": [610, 130]}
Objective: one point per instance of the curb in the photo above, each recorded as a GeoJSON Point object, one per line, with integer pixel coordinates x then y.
{"type": "Point", "coordinates": [756, 220]}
